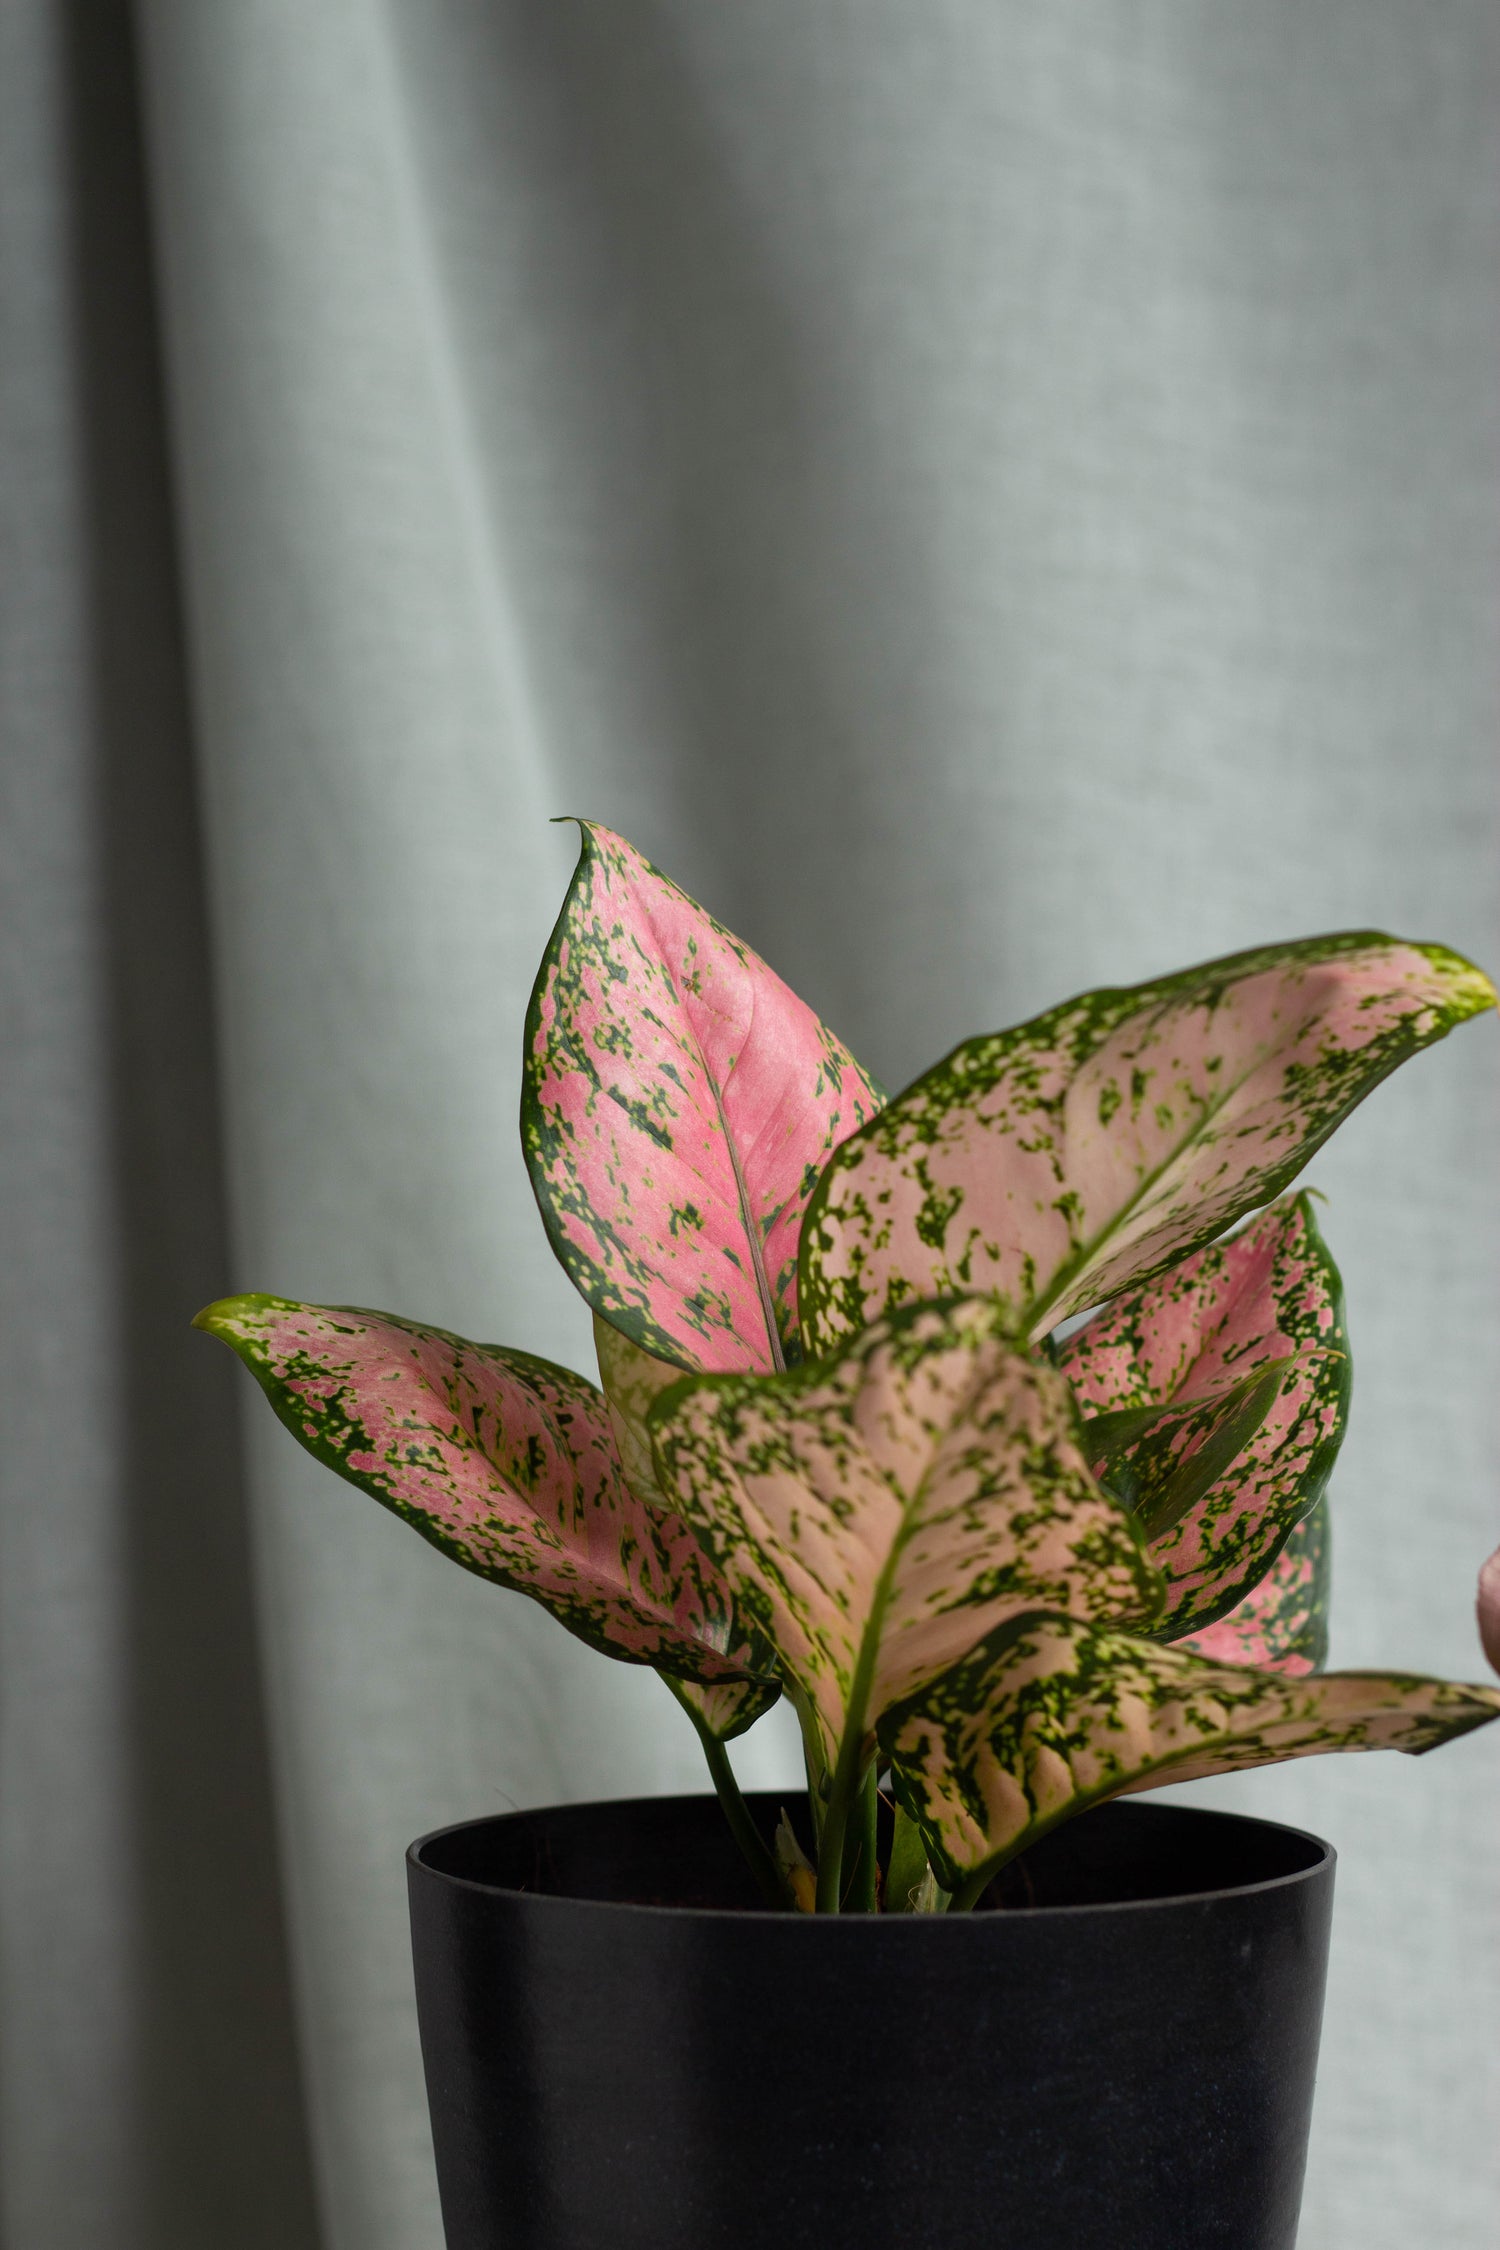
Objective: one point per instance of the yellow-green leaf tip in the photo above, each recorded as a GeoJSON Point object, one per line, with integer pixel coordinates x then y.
{"type": "Point", "coordinates": [1472, 992]}
{"type": "Point", "coordinates": [225, 1315]}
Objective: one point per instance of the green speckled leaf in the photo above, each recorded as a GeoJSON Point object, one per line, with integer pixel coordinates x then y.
{"type": "Point", "coordinates": [679, 1104]}
{"type": "Point", "coordinates": [1050, 1715]}
{"type": "Point", "coordinates": [729, 1707]}
{"type": "Point", "coordinates": [503, 1461]}
{"type": "Point", "coordinates": [1064, 1160]}
{"type": "Point", "coordinates": [1163, 1460]}
{"type": "Point", "coordinates": [632, 1380]}
{"type": "Point", "coordinates": [1282, 1623]}
{"type": "Point", "coordinates": [876, 1515]}
{"type": "Point", "coordinates": [1263, 1308]}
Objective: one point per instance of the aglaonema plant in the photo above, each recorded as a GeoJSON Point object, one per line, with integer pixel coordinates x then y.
{"type": "Point", "coordinates": [990, 1424]}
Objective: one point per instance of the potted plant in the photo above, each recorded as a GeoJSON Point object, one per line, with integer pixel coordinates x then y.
{"type": "Point", "coordinates": [991, 1425]}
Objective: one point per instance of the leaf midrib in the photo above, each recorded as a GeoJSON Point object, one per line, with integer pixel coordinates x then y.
{"type": "Point", "coordinates": [911, 1515]}
{"type": "Point", "coordinates": [742, 1192]}
{"type": "Point", "coordinates": [747, 1222]}
{"type": "Point", "coordinates": [1070, 1272]}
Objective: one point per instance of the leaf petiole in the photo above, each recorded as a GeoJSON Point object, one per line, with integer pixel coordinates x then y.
{"type": "Point", "coordinates": [861, 1866]}
{"type": "Point", "coordinates": [742, 1827]}
{"type": "Point", "coordinates": [813, 1759]}
{"type": "Point", "coordinates": [854, 1773]}
{"type": "Point", "coordinates": [967, 1897]}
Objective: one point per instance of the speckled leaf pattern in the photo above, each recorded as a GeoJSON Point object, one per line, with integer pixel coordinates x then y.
{"type": "Point", "coordinates": [505, 1462]}
{"type": "Point", "coordinates": [1162, 1460]}
{"type": "Point", "coordinates": [729, 1707]}
{"type": "Point", "coordinates": [679, 1104]}
{"type": "Point", "coordinates": [1282, 1623]}
{"type": "Point", "coordinates": [1060, 1162]}
{"type": "Point", "coordinates": [1050, 1715]}
{"type": "Point", "coordinates": [876, 1515]}
{"type": "Point", "coordinates": [1269, 1298]}
{"type": "Point", "coordinates": [632, 1379]}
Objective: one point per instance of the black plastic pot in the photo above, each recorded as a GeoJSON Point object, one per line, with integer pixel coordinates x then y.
{"type": "Point", "coordinates": [624, 2054]}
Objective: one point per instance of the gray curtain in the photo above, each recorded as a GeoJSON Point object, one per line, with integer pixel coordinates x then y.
{"type": "Point", "coordinates": [995, 499]}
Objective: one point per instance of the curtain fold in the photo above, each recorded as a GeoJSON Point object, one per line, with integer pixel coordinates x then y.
{"type": "Point", "coordinates": [995, 501]}
{"type": "Point", "coordinates": [149, 2080]}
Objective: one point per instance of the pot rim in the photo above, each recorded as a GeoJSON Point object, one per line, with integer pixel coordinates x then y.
{"type": "Point", "coordinates": [1323, 1863]}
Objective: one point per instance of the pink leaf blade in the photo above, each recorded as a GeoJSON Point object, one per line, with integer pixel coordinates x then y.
{"type": "Point", "coordinates": [503, 1461]}
{"type": "Point", "coordinates": [679, 1105]}
{"type": "Point", "coordinates": [1060, 1162]}
{"type": "Point", "coordinates": [1268, 1300]}
{"type": "Point", "coordinates": [1163, 1460]}
{"type": "Point", "coordinates": [1214, 1314]}
{"type": "Point", "coordinates": [1050, 1715]}
{"type": "Point", "coordinates": [632, 1381]}
{"type": "Point", "coordinates": [1281, 1625]}
{"type": "Point", "coordinates": [876, 1515]}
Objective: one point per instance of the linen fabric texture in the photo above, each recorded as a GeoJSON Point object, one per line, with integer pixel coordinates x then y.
{"type": "Point", "coordinates": [995, 500]}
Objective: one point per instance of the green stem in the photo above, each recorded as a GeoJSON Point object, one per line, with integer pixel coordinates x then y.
{"type": "Point", "coordinates": [741, 1826]}
{"type": "Point", "coordinates": [855, 1753]}
{"type": "Point", "coordinates": [860, 1863]}
{"type": "Point", "coordinates": [846, 1782]}
{"type": "Point", "coordinates": [907, 1865]}
{"type": "Point", "coordinates": [813, 1759]}
{"type": "Point", "coordinates": [968, 1894]}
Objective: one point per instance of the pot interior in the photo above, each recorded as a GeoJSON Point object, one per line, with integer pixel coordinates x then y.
{"type": "Point", "coordinates": [677, 1852]}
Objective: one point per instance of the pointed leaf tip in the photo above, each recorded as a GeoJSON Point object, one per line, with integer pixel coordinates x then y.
{"type": "Point", "coordinates": [1470, 990]}
{"type": "Point", "coordinates": [1065, 1159]}
{"type": "Point", "coordinates": [679, 1104]}
{"type": "Point", "coordinates": [229, 1318]}
{"type": "Point", "coordinates": [504, 1462]}
{"type": "Point", "coordinates": [1048, 1716]}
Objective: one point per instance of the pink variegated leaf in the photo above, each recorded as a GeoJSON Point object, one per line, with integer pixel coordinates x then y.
{"type": "Point", "coordinates": [1281, 1625]}
{"type": "Point", "coordinates": [503, 1461]}
{"type": "Point", "coordinates": [1257, 1296]}
{"type": "Point", "coordinates": [632, 1380]}
{"type": "Point", "coordinates": [1049, 1715]}
{"type": "Point", "coordinates": [1262, 1309]}
{"type": "Point", "coordinates": [1060, 1162]}
{"type": "Point", "coordinates": [1162, 1460]}
{"type": "Point", "coordinates": [729, 1707]}
{"type": "Point", "coordinates": [875, 1515]}
{"type": "Point", "coordinates": [679, 1104]}
{"type": "Point", "coordinates": [1488, 1608]}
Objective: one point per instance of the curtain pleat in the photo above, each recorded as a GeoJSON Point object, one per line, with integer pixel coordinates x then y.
{"type": "Point", "coordinates": [149, 2082]}
{"type": "Point", "coordinates": [996, 500]}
